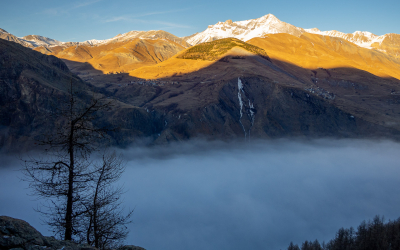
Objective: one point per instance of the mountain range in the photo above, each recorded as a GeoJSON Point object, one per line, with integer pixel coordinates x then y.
{"type": "Point", "coordinates": [260, 78]}
{"type": "Point", "coordinates": [242, 30]}
{"type": "Point", "coordinates": [269, 24]}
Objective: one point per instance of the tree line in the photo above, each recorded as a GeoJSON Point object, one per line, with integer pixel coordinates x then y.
{"type": "Point", "coordinates": [81, 202]}
{"type": "Point", "coordinates": [372, 235]}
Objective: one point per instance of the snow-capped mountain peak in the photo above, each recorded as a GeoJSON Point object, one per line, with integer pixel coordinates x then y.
{"type": "Point", "coordinates": [151, 34]}
{"type": "Point", "coordinates": [37, 41]}
{"type": "Point", "coordinates": [270, 24]}
{"type": "Point", "coordinates": [245, 30]}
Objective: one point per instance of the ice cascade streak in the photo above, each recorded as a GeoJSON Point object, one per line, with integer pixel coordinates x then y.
{"type": "Point", "coordinates": [243, 109]}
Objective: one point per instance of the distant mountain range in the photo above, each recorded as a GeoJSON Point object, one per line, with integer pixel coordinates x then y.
{"type": "Point", "coordinates": [123, 53]}
{"type": "Point", "coordinates": [242, 30]}
{"type": "Point", "coordinates": [259, 78]}
{"type": "Point", "coordinates": [33, 41]}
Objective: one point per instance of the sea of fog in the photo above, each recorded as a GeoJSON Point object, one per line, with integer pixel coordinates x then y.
{"type": "Point", "coordinates": [254, 195]}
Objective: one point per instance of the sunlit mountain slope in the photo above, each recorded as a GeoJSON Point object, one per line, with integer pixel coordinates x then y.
{"type": "Point", "coordinates": [118, 56]}
{"type": "Point", "coordinates": [312, 51]}
{"type": "Point", "coordinates": [204, 55]}
{"type": "Point", "coordinates": [122, 53]}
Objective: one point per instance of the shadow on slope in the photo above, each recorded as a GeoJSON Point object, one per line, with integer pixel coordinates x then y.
{"type": "Point", "coordinates": [275, 101]}
{"type": "Point", "coordinates": [271, 99]}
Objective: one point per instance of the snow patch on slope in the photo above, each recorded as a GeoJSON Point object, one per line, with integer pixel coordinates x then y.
{"type": "Point", "coordinates": [37, 41]}
{"type": "Point", "coordinates": [363, 39]}
{"type": "Point", "coordinates": [151, 34]}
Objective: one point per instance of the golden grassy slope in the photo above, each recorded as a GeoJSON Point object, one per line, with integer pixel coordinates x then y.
{"type": "Point", "coordinates": [169, 68]}
{"type": "Point", "coordinates": [307, 52]}
{"type": "Point", "coordinates": [311, 51]}
{"type": "Point", "coordinates": [119, 56]}
{"type": "Point", "coordinates": [202, 56]}
{"type": "Point", "coordinates": [211, 51]}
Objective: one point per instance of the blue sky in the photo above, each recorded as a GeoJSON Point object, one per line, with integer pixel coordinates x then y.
{"type": "Point", "coordinates": [101, 19]}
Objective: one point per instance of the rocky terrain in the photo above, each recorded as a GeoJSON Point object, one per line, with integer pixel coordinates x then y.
{"type": "Point", "coordinates": [296, 83]}
{"type": "Point", "coordinates": [18, 234]}
{"type": "Point", "coordinates": [31, 84]}
{"type": "Point", "coordinates": [120, 54]}
{"type": "Point", "coordinates": [10, 37]}
{"type": "Point", "coordinates": [34, 85]}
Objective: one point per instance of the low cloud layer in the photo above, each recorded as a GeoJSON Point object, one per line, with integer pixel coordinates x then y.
{"type": "Point", "coordinates": [258, 195]}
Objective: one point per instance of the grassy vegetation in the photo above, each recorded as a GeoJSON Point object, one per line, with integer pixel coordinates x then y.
{"type": "Point", "coordinates": [213, 50]}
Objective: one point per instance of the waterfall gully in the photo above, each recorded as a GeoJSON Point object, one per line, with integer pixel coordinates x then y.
{"type": "Point", "coordinates": [240, 89]}
{"type": "Point", "coordinates": [245, 109]}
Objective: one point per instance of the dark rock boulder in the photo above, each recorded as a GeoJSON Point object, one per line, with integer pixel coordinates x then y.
{"type": "Point", "coordinates": [18, 234]}
{"type": "Point", "coordinates": [131, 247]}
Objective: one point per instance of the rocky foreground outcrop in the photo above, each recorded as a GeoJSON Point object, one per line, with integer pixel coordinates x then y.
{"type": "Point", "coordinates": [17, 234]}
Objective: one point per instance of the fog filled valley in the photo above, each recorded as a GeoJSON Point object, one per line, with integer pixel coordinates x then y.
{"type": "Point", "coordinates": [236, 195]}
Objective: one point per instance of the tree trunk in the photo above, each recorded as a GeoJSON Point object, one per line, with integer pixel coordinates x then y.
{"type": "Point", "coordinates": [68, 214]}
{"type": "Point", "coordinates": [95, 208]}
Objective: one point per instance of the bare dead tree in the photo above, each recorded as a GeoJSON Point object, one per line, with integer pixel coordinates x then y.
{"type": "Point", "coordinates": [61, 177]}
{"type": "Point", "coordinates": [106, 221]}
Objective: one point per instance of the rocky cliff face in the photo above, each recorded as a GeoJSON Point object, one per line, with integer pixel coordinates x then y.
{"type": "Point", "coordinates": [251, 107]}
{"type": "Point", "coordinates": [31, 86]}
{"type": "Point", "coordinates": [34, 85]}
{"type": "Point", "coordinates": [18, 234]}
